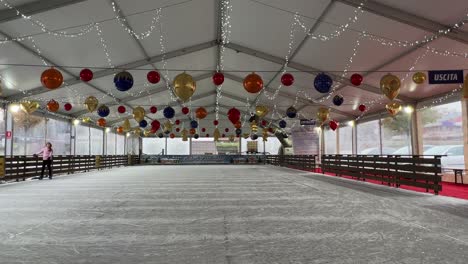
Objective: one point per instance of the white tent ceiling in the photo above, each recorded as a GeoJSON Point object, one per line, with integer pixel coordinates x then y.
{"type": "Point", "coordinates": [260, 34]}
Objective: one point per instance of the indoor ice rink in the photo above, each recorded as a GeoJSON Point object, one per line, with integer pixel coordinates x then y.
{"type": "Point", "coordinates": [233, 131]}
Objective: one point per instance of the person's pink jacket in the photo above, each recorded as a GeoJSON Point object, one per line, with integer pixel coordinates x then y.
{"type": "Point", "coordinates": [46, 153]}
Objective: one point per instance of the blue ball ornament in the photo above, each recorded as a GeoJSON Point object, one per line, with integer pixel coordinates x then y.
{"type": "Point", "coordinates": [196, 136]}
{"type": "Point", "coordinates": [143, 123]}
{"type": "Point", "coordinates": [338, 100]}
{"type": "Point", "coordinates": [254, 137]}
{"type": "Point", "coordinates": [123, 81]}
{"type": "Point", "coordinates": [169, 112]}
{"type": "Point", "coordinates": [291, 112]}
{"type": "Point", "coordinates": [238, 131]}
{"type": "Point", "coordinates": [160, 135]}
{"type": "Point", "coordinates": [103, 111]}
{"type": "Point", "coordinates": [282, 124]}
{"type": "Point", "coordinates": [323, 83]}
{"type": "Point", "coordinates": [193, 124]}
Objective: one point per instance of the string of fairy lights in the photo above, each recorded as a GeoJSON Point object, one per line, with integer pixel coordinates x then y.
{"type": "Point", "coordinates": [226, 9]}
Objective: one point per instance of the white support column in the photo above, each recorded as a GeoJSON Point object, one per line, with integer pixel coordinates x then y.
{"type": "Point", "coordinates": [9, 127]}
{"type": "Point", "coordinates": [380, 136]}
{"type": "Point", "coordinates": [354, 136]}
{"type": "Point", "coordinates": [416, 133]}
{"type": "Point", "coordinates": [190, 145]}
{"type": "Point", "coordinates": [464, 104]}
{"type": "Point", "coordinates": [337, 138]}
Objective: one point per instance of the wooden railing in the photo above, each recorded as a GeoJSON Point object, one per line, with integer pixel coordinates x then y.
{"type": "Point", "coordinates": [417, 171]}
{"type": "Point", "coordinates": [22, 167]}
{"type": "Point", "coordinates": [302, 162]}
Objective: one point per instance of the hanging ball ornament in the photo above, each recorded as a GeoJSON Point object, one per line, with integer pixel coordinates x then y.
{"type": "Point", "coordinates": [261, 111]}
{"type": "Point", "coordinates": [121, 109]}
{"type": "Point", "coordinates": [91, 103]}
{"type": "Point", "coordinates": [201, 113]}
{"type": "Point", "coordinates": [419, 78]}
{"type": "Point", "coordinates": [123, 81]}
{"type": "Point", "coordinates": [185, 110]}
{"type": "Point", "coordinates": [393, 108]}
{"type": "Point", "coordinates": [153, 109]}
{"type": "Point", "coordinates": [223, 135]}
{"type": "Point", "coordinates": [390, 86]}
{"type": "Point", "coordinates": [29, 107]}
{"type": "Point", "coordinates": [196, 136]}
{"type": "Point", "coordinates": [168, 112]}
{"type": "Point", "coordinates": [356, 79]}
{"type": "Point", "coordinates": [193, 124]}
{"type": "Point", "coordinates": [160, 135]}
{"type": "Point", "coordinates": [155, 125]}
{"type": "Point", "coordinates": [238, 131]}
{"type": "Point", "coordinates": [53, 106]}
{"type": "Point", "coordinates": [226, 130]}
{"type": "Point", "coordinates": [138, 113]}
{"type": "Point", "coordinates": [253, 83]}
{"type": "Point", "coordinates": [103, 111]}
{"type": "Point", "coordinates": [287, 79]}
{"type": "Point", "coordinates": [184, 86]}
{"type": "Point", "coordinates": [215, 122]}
{"type": "Point", "coordinates": [362, 108]}
{"type": "Point", "coordinates": [153, 77]}
{"type": "Point", "coordinates": [51, 78]}
{"type": "Point", "coordinates": [203, 130]}
{"type": "Point", "coordinates": [101, 122]}
{"type": "Point", "coordinates": [120, 130]}
{"type": "Point", "coordinates": [207, 135]}
{"type": "Point", "coordinates": [338, 100]}
{"type": "Point", "coordinates": [282, 124]}
{"type": "Point", "coordinates": [86, 75]}
{"type": "Point", "coordinates": [192, 131]}
{"type": "Point", "coordinates": [333, 125]}
{"type": "Point", "coordinates": [177, 122]}
{"type": "Point", "coordinates": [238, 124]}
{"type": "Point", "coordinates": [233, 115]}
{"type": "Point", "coordinates": [172, 135]}
{"type": "Point", "coordinates": [323, 114]}
{"type": "Point", "coordinates": [254, 137]}
{"type": "Point", "coordinates": [323, 83]}
{"type": "Point", "coordinates": [67, 107]}
{"type": "Point", "coordinates": [143, 123]}
{"type": "Point", "coordinates": [177, 130]}
{"type": "Point", "coordinates": [264, 123]}
{"type": "Point", "coordinates": [291, 112]}
{"type": "Point", "coordinates": [218, 78]}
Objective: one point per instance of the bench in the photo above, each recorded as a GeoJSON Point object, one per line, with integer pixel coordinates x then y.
{"type": "Point", "coordinates": [458, 172]}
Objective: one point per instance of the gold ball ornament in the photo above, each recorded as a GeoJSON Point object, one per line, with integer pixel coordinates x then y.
{"type": "Point", "coordinates": [29, 107]}
{"type": "Point", "coordinates": [139, 113]}
{"type": "Point", "coordinates": [323, 114]}
{"type": "Point", "coordinates": [91, 103]}
{"type": "Point", "coordinates": [261, 111]}
{"type": "Point", "coordinates": [419, 78]}
{"type": "Point", "coordinates": [393, 108]}
{"type": "Point", "coordinates": [126, 125]}
{"type": "Point", "coordinates": [184, 86]}
{"type": "Point", "coordinates": [390, 86]}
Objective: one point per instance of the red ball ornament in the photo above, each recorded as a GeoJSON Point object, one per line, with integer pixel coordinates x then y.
{"type": "Point", "coordinates": [238, 124]}
{"type": "Point", "coordinates": [356, 79]}
{"type": "Point", "coordinates": [86, 75]}
{"type": "Point", "coordinates": [67, 106]}
{"type": "Point", "coordinates": [192, 131]}
{"type": "Point", "coordinates": [155, 125]}
{"type": "Point", "coordinates": [234, 115]}
{"type": "Point", "coordinates": [226, 130]}
{"type": "Point", "coordinates": [264, 122]}
{"type": "Point", "coordinates": [253, 83]}
{"type": "Point", "coordinates": [333, 125]}
{"type": "Point", "coordinates": [287, 79]}
{"type": "Point", "coordinates": [223, 135]}
{"type": "Point", "coordinates": [177, 122]}
{"type": "Point", "coordinates": [121, 109]}
{"type": "Point", "coordinates": [172, 135]}
{"type": "Point", "coordinates": [218, 78]}
{"type": "Point", "coordinates": [53, 106]}
{"type": "Point", "coordinates": [153, 77]}
{"type": "Point", "coordinates": [215, 122]}
{"type": "Point", "coordinates": [207, 135]}
{"type": "Point", "coordinates": [153, 109]}
{"type": "Point", "coordinates": [203, 130]}
{"type": "Point", "coordinates": [362, 108]}
{"type": "Point", "coordinates": [51, 78]}
{"type": "Point", "coordinates": [177, 130]}
{"type": "Point", "coordinates": [185, 110]}
{"type": "Point", "coordinates": [270, 129]}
